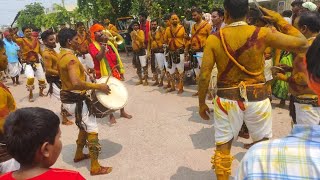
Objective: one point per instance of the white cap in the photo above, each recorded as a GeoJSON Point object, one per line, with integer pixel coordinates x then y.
{"type": "Point", "coordinates": [310, 6]}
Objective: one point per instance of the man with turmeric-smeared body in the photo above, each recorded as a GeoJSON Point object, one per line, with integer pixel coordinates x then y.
{"type": "Point", "coordinates": [175, 39]}
{"type": "Point", "coordinates": [50, 60]}
{"type": "Point", "coordinates": [74, 99]}
{"type": "Point", "coordinates": [199, 34]}
{"type": "Point", "coordinates": [304, 108]}
{"type": "Point", "coordinates": [30, 49]}
{"type": "Point", "coordinates": [242, 94]}
{"type": "Point", "coordinates": [156, 52]}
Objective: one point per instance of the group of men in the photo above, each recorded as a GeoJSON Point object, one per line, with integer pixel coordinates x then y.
{"type": "Point", "coordinates": [170, 48]}
{"type": "Point", "coordinates": [212, 49]}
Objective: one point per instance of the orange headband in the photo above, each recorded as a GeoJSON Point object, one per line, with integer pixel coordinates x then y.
{"type": "Point", "coordinates": [95, 28]}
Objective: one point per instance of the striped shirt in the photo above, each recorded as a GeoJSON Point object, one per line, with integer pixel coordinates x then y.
{"type": "Point", "coordinates": [296, 156]}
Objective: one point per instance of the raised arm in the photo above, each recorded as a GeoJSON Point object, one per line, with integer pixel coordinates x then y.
{"type": "Point", "coordinates": [290, 39]}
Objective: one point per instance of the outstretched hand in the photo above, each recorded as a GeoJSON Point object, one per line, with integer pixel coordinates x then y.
{"type": "Point", "coordinates": [270, 16]}
{"type": "Point", "coordinates": [204, 112]}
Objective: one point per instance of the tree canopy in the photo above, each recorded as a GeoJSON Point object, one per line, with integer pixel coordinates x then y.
{"type": "Point", "coordinates": [29, 16]}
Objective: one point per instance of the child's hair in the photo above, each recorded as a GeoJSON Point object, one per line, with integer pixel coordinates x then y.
{"type": "Point", "coordinates": [27, 129]}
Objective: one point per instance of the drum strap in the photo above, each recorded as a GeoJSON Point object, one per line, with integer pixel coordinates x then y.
{"type": "Point", "coordinates": [69, 97]}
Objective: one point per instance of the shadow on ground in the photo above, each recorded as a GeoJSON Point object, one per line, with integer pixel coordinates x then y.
{"type": "Point", "coordinates": [184, 173]}
{"type": "Point", "coordinates": [108, 150]}
{"type": "Point", "coordinates": [195, 117]}
{"type": "Point", "coordinates": [203, 139]}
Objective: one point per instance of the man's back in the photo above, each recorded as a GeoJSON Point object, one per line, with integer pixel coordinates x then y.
{"type": "Point", "coordinates": [244, 43]}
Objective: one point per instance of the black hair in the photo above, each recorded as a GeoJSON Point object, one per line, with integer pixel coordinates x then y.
{"type": "Point", "coordinates": [65, 35]}
{"type": "Point", "coordinates": [254, 14]}
{"type": "Point", "coordinates": [78, 24]}
{"type": "Point", "coordinates": [143, 14]}
{"type": "Point", "coordinates": [25, 28]}
{"type": "Point", "coordinates": [171, 14]}
{"type": "Point", "coordinates": [134, 22]}
{"type": "Point", "coordinates": [311, 20]}
{"type": "Point", "coordinates": [236, 8]}
{"type": "Point", "coordinates": [46, 34]}
{"type": "Point", "coordinates": [297, 3]}
{"type": "Point", "coordinates": [196, 9]}
{"type": "Point", "coordinates": [166, 17]}
{"type": "Point", "coordinates": [27, 129]}
{"type": "Point", "coordinates": [220, 11]}
{"type": "Point", "coordinates": [154, 20]}
{"type": "Point", "coordinates": [313, 54]}
{"type": "Point", "coordinates": [287, 13]}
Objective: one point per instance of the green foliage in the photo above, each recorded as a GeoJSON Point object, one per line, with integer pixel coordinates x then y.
{"type": "Point", "coordinates": [31, 15]}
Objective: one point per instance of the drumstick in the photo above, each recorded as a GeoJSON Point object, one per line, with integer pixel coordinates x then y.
{"type": "Point", "coordinates": [111, 73]}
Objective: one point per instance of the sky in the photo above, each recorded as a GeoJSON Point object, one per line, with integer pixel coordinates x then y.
{"type": "Point", "coordinates": [10, 8]}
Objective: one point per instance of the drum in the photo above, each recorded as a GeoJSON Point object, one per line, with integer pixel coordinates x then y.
{"type": "Point", "coordinates": [104, 104]}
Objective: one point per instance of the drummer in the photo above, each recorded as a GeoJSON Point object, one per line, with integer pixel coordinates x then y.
{"type": "Point", "coordinates": [106, 60]}
{"type": "Point", "coordinates": [73, 97]}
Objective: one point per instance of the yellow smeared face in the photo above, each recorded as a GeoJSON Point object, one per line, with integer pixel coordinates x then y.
{"type": "Point", "coordinates": [174, 20]}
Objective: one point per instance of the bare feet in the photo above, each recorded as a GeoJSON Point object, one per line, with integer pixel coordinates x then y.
{"type": "Point", "coordinates": [195, 94]}
{"type": "Point", "coordinates": [248, 146]}
{"type": "Point", "coordinates": [102, 170]}
{"type": "Point", "coordinates": [112, 119]}
{"type": "Point", "coordinates": [171, 90]}
{"type": "Point", "coordinates": [41, 94]}
{"type": "Point", "coordinates": [160, 84]}
{"type": "Point", "coordinates": [125, 115]}
{"type": "Point", "coordinates": [66, 121]}
{"type": "Point", "coordinates": [180, 91]}
{"type": "Point", "coordinates": [85, 156]}
{"type": "Point", "coordinates": [31, 99]}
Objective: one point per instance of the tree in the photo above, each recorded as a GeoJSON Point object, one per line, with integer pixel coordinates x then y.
{"type": "Point", "coordinates": [28, 16]}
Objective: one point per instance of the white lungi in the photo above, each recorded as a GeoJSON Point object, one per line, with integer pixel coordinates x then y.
{"type": "Point", "coordinates": [179, 66]}
{"type": "Point", "coordinates": [229, 118]}
{"type": "Point", "coordinates": [267, 69]}
{"type": "Point", "coordinates": [8, 166]}
{"type": "Point", "coordinates": [39, 74]}
{"type": "Point", "coordinates": [161, 60]}
{"type": "Point", "coordinates": [199, 58]}
{"type": "Point", "coordinates": [307, 114]}
{"type": "Point", "coordinates": [214, 79]}
{"type": "Point", "coordinates": [87, 62]}
{"type": "Point", "coordinates": [89, 121]}
{"type": "Point", "coordinates": [14, 69]}
{"type": "Point", "coordinates": [56, 91]}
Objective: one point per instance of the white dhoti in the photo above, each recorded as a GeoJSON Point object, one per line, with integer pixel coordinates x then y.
{"type": "Point", "coordinates": [9, 166]}
{"type": "Point", "coordinates": [199, 59]}
{"type": "Point", "coordinates": [179, 66]}
{"type": "Point", "coordinates": [161, 60]}
{"type": "Point", "coordinates": [86, 61]}
{"type": "Point", "coordinates": [267, 70]}
{"type": "Point", "coordinates": [39, 74]}
{"type": "Point", "coordinates": [229, 116]}
{"type": "Point", "coordinates": [214, 79]}
{"type": "Point", "coordinates": [307, 114]}
{"type": "Point", "coordinates": [90, 122]}
{"type": "Point", "coordinates": [14, 69]}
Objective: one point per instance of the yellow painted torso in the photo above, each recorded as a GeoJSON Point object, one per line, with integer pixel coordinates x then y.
{"type": "Point", "coordinates": [52, 56]}
{"type": "Point", "coordinates": [156, 40]}
{"type": "Point", "coordinates": [175, 42]}
{"type": "Point", "coordinates": [65, 57]}
{"type": "Point", "coordinates": [137, 40]}
{"type": "Point", "coordinates": [198, 40]}
{"type": "Point", "coordinates": [25, 49]}
{"type": "Point", "coordinates": [252, 58]}
{"type": "Point", "coordinates": [7, 104]}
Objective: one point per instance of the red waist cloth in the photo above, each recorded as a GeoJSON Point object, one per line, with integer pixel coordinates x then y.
{"type": "Point", "coordinates": [51, 174]}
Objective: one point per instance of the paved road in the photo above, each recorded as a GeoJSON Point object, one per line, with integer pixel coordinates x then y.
{"type": "Point", "coordinates": [166, 139]}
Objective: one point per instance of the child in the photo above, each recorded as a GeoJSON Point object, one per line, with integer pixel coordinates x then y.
{"type": "Point", "coordinates": [33, 139]}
